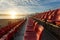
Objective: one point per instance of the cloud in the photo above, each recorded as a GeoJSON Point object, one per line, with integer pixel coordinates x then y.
{"type": "Point", "coordinates": [33, 2]}
{"type": "Point", "coordinates": [28, 6]}
{"type": "Point", "coordinates": [4, 5]}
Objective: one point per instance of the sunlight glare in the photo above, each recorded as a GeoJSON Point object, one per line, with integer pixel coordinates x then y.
{"type": "Point", "coordinates": [13, 14]}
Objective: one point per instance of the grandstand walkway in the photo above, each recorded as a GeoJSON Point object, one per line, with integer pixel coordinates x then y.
{"type": "Point", "coordinates": [20, 34]}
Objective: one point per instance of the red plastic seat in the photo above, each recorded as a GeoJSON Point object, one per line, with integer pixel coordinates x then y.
{"type": "Point", "coordinates": [30, 36]}
{"type": "Point", "coordinates": [33, 32]}
{"type": "Point", "coordinates": [30, 21]}
{"type": "Point", "coordinates": [51, 16]}
{"type": "Point", "coordinates": [57, 17]}
{"type": "Point", "coordinates": [3, 31]}
{"type": "Point", "coordinates": [9, 36]}
{"type": "Point", "coordinates": [30, 27]}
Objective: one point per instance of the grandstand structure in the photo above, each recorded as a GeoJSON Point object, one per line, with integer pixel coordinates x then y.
{"type": "Point", "coordinates": [42, 26]}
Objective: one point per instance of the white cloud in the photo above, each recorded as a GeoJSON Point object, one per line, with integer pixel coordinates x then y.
{"type": "Point", "coordinates": [24, 5]}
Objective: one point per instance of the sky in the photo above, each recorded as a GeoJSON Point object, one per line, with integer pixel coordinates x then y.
{"type": "Point", "coordinates": [28, 6]}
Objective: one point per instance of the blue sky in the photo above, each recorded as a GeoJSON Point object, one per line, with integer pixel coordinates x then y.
{"type": "Point", "coordinates": [28, 6]}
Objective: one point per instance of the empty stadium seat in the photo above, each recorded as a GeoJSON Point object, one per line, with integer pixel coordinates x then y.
{"type": "Point", "coordinates": [30, 26]}
{"type": "Point", "coordinates": [33, 32]}
{"type": "Point", "coordinates": [9, 34]}
{"type": "Point", "coordinates": [57, 17]}
{"type": "Point", "coordinates": [6, 29]}
{"type": "Point", "coordinates": [30, 36]}
{"type": "Point", "coordinates": [51, 16]}
{"type": "Point", "coordinates": [39, 29]}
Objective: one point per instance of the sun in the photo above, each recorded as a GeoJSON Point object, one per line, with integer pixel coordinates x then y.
{"type": "Point", "coordinates": [13, 14]}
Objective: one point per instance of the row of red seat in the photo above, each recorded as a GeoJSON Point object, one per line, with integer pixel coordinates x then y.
{"type": "Point", "coordinates": [33, 30]}
{"type": "Point", "coordinates": [10, 29]}
{"type": "Point", "coordinates": [52, 16]}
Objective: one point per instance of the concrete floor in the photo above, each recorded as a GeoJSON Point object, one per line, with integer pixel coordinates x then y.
{"type": "Point", "coordinates": [48, 36]}
{"type": "Point", "coordinates": [20, 34]}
